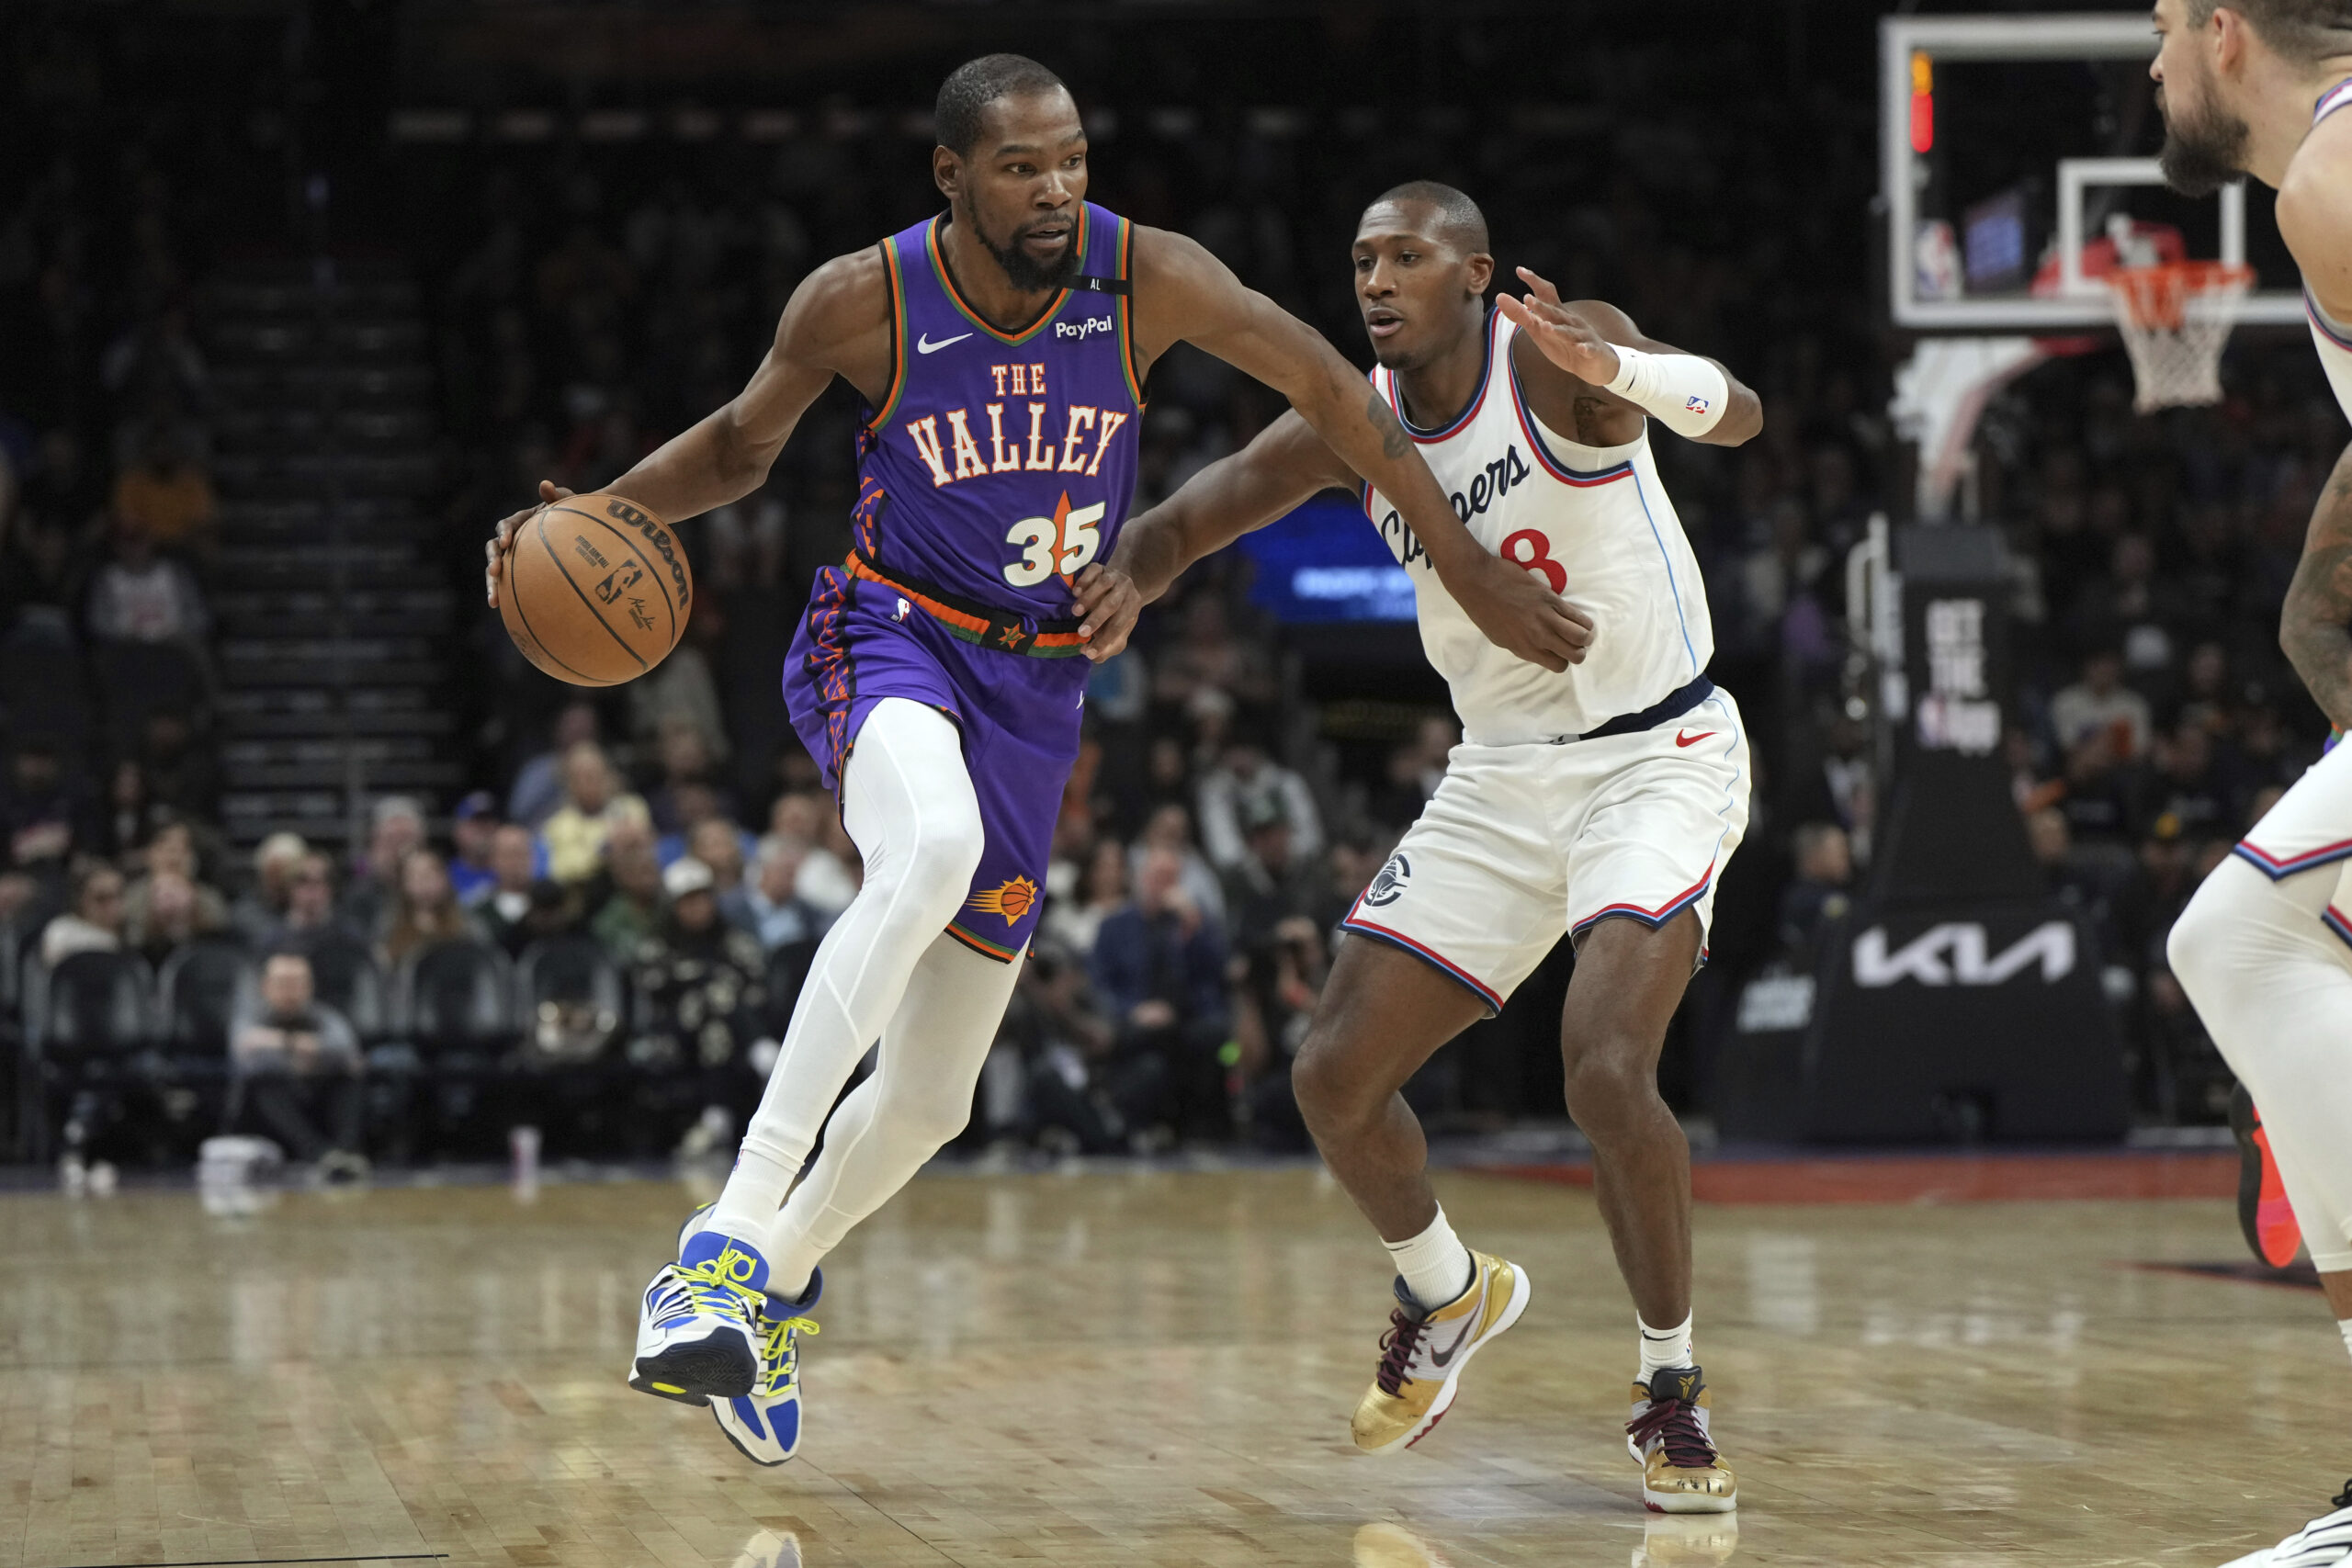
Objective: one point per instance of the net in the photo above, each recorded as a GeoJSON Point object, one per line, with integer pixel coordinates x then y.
{"type": "Point", "coordinates": [2175, 318]}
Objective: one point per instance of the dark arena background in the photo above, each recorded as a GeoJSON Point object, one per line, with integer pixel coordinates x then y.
{"type": "Point", "coordinates": [296, 299]}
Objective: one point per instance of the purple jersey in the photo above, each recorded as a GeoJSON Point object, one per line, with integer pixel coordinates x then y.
{"type": "Point", "coordinates": [998, 466]}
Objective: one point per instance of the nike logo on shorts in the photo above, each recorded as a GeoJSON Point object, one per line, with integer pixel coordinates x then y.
{"type": "Point", "coordinates": [924, 345]}
{"type": "Point", "coordinates": [1683, 739]}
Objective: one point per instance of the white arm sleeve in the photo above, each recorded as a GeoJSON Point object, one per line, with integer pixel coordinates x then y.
{"type": "Point", "coordinates": [1681, 392]}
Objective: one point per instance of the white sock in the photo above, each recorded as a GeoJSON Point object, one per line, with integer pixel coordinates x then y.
{"type": "Point", "coordinates": [2344, 1326]}
{"type": "Point", "coordinates": [1663, 1347]}
{"type": "Point", "coordinates": [1436, 1266]}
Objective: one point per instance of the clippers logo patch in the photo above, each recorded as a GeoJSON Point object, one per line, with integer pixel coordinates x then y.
{"type": "Point", "coordinates": [1389, 885]}
{"type": "Point", "coordinates": [1013, 900]}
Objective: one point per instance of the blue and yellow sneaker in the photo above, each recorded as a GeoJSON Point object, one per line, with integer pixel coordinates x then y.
{"type": "Point", "coordinates": [695, 1334]}
{"type": "Point", "coordinates": [765, 1425]}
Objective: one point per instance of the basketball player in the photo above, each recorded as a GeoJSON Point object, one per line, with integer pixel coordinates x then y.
{"type": "Point", "coordinates": [1001, 349]}
{"type": "Point", "coordinates": [2264, 948]}
{"type": "Point", "coordinates": [1599, 802]}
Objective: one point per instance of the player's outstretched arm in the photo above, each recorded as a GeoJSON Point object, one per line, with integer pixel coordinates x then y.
{"type": "Point", "coordinates": [1182, 291]}
{"type": "Point", "coordinates": [1234, 495]}
{"type": "Point", "coordinates": [837, 322]}
{"type": "Point", "coordinates": [1598, 343]}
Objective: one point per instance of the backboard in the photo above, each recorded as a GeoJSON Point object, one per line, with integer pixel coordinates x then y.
{"type": "Point", "coordinates": [2017, 163]}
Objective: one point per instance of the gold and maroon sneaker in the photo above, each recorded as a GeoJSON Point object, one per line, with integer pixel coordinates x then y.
{"type": "Point", "coordinates": [1423, 1354]}
{"type": "Point", "coordinates": [1681, 1472]}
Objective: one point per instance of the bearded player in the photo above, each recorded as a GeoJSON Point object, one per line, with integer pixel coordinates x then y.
{"type": "Point", "coordinates": [1001, 349]}
{"type": "Point", "coordinates": [2264, 948]}
{"type": "Point", "coordinates": [1599, 802]}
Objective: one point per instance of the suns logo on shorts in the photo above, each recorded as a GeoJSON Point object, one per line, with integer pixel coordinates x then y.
{"type": "Point", "coordinates": [1389, 885]}
{"type": "Point", "coordinates": [1013, 900]}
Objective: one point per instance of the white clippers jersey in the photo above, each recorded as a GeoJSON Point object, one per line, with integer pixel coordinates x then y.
{"type": "Point", "coordinates": [1594, 523]}
{"type": "Point", "coordinates": [2334, 338]}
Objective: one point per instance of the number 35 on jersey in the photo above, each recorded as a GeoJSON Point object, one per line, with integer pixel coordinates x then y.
{"type": "Point", "coordinates": [1061, 544]}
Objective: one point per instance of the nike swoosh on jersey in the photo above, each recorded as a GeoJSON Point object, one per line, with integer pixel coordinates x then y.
{"type": "Point", "coordinates": [1683, 739]}
{"type": "Point", "coordinates": [924, 345]}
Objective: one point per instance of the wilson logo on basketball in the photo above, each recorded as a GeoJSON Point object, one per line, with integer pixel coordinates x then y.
{"type": "Point", "coordinates": [1013, 900]}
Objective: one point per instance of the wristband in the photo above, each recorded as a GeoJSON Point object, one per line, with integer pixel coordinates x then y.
{"type": "Point", "coordinates": [1683, 393]}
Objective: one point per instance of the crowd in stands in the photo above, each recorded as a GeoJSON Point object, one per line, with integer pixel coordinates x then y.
{"type": "Point", "coordinates": [667, 847]}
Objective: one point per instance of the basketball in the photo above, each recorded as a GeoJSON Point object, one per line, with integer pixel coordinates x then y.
{"type": "Point", "coordinates": [597, 591]}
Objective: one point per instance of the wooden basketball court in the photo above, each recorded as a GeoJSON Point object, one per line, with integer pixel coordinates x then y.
{"type": "Point", "coordinates": [1139, 1367]}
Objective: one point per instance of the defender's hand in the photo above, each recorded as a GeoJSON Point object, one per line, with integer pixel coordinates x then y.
{"type": "Point", "coordinates": [1522, 617]}
{"type": "Point", "coordinates": [1108, 603]}
{"type": "Point", "coordinates": [501, 539]}
{"type": "Point", "coordinates": [1566, 338]}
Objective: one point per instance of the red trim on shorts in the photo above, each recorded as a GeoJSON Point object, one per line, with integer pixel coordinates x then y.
{"type": "Point", "coordinates": [1356, 922]}
{"type": "Point", "coordinates": [1650, 918]}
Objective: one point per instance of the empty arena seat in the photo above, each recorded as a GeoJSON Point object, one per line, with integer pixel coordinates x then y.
{"type": "Point", "coordinates": [455, 996]}
{"type": "Point", "coordinates": [198, 990]}
{"type": "Point", "coordinates": [570, 1000]}
{"type": "Point", "coordinates": [92, 1005]}
{"type": "Point", "coordinates": [344, 975]}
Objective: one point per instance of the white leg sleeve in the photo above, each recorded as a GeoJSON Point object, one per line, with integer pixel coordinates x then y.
{"type": "Point", "coordinates": [908, 802]}
{"type": "Point", "coordinates": [919, 1097]}
{"type": "Point", "coordinates": [2274, 986]}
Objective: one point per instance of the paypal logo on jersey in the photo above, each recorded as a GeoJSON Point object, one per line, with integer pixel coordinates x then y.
{"type": "Point", "coordinates": [1082, 330]}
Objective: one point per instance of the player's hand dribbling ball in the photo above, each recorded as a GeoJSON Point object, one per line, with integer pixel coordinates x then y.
{"type": "Point", "coordinates": [593, 589]}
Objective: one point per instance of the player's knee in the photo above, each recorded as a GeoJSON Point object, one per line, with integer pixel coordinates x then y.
{"type": "Point", "coordinates": [942, 856]}
{"type": "Point", "coordinates": [2202, 947]}
{"type": "Point", "coordinates": [1610, 1088]}
{"type": "Point", "coordinates": [931, 1119]}
{"type": "Point", "coordinates": [1328, 1096]}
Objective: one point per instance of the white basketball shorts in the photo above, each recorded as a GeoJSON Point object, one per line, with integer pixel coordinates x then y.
{"type": "Point", "coordinates": [1522, 844]}
{"type": "Point", "coordinates": [2311, 830]}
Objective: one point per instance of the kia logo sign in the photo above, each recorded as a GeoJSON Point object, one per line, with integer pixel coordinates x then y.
{"type": "Point", "coordinates": [1954, 955]}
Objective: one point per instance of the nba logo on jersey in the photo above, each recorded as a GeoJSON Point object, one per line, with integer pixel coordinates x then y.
{"type": "Point", "coordinates": [1695, 405]}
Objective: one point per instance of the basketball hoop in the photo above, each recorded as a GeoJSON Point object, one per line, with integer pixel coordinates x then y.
{"type": "Point", "coordinates": [2175, 318]}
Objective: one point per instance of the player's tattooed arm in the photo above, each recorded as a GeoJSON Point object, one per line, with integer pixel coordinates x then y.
{"type": "Point", "coordinates": [2315, 627]}
{"type": "Point", "coordinates": [1182, 291]}
{"type": "Point", "coordinates": [1576, 360]}
{"type": "Point", "coordinates": [837, 324]}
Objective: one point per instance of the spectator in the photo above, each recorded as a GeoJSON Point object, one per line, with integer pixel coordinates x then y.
{"type": "Point", "coordinates": [1816, 898]}
{"type": "Point", "coordinates": [1234, 794]}
{"type": "Point", "coordinates": [172, 853]}
{"type": "Point", "coordinates": [685, 765]}
{"type": "Point", "coordinates": [1169, 828]}
{"type": "Point", "coordinates": [2188, 788]}
{"type": "Point", "coordinates": [182, 776]}
{"type": "Point", "coordinates": [1076, 923]}
{"type": "Point", "coordinates": [128, 816]}
{"type": "Point", "coordinates": [723, 846]}
{"type": "Point", "coordinates": [539, 783]}
{"type": "Point", "coordinates": [628, 915]}
{"type": "Point", "coordinates": [141, 596]}
{"type": "Point", "coordinates": [827, 883]}
{"type": "Point", "coordinates": [277, 860]}
{"type": "Point", "coordinates": [1207, 654]}
{"type": "Point", "coordinates": [46, 813]}
{"type": "Point", "coordinates": [169, 919]}
{"type": "Point", "coordinates": [699, 980]}
{"type": "Point", "coordinates": [1269, 884]}
{"type": "Point", "coordinates": [472, 826]}
{"type": "Point", "coordinates": [2100, 705]}
{"type": "Point", "coordinates": [94, 922]}
{"type": "Point", "coordinates": [765, 904]}
{"type": "Point", "coordinates": [1082, 1095]}
{"type": "Point", "coordinates": [397, 828]}
{"type": "Point", "coordinates": [425, 910]}
{"type": "Point", "coordinates": [310, 914]}
{"type": "Point", "coordinates": [681, 688]}
{"type": "Point", "coordinates": [1160, 964]}
{"type": "Point", "coordinates": [593, 804]}
{"type": "Point", "coordinates": [298, 1069]}
{"type": "Point", "coordinates": [515, 871]}
{"type": "Point", "coordinates": [168, 498]}
{"type": "Point", "coordinates": [693, 806]}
